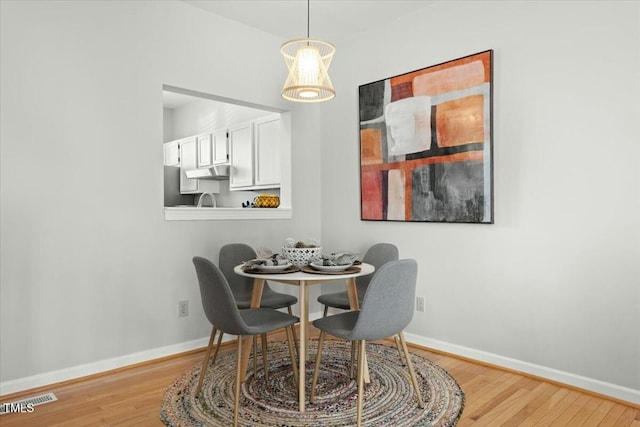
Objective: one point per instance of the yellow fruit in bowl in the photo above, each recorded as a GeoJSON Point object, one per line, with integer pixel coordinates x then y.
{"type": "Point", "coordinates": [266, 201]}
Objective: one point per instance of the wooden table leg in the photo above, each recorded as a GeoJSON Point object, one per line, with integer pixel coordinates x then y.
{"type": "Point", "coordinates": [256, 299]}
{"type": "Point", "coordinates": [352, 292]}
{"type": "Point", "coordinates": [302, 353]}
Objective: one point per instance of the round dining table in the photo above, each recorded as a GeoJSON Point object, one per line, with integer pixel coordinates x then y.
{"type": "Point", "coordinates": [302, 278]}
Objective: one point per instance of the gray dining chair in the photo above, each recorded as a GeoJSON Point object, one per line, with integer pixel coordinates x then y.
{"type": "Point", "coordinates": [377, 255]}
{"type": "Point", "coordinates": [233, 254]}
{"type": "Point", "coordinates": [221, 310]}
{"type": "Point", "coordinates": [387, 308]}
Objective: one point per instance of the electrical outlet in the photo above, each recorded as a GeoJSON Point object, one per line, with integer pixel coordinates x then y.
{"type": "Point", "coordinates": [420, 304]}
{"type": "Point", "coordinates": [183, 308]}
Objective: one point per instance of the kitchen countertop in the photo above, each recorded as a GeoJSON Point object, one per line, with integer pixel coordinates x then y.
{"type": "Point", "coordinates": [192, 213]}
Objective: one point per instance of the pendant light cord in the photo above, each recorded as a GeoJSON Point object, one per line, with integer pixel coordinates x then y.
{"type": "Point", "coordinates": [308, 18]}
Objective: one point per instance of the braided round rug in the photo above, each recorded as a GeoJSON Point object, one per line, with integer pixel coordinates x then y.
{"type": "Point", "coordinates": [389, 399]}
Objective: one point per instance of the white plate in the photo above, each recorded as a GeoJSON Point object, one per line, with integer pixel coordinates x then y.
{"type": "Point", "coordinates": [330, 267]}
{"type": "Point", "coordinates": [278, 267]}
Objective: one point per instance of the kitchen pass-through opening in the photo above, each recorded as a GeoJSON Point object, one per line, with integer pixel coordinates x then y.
{"type": "Point", "coordinates": [222, 154]}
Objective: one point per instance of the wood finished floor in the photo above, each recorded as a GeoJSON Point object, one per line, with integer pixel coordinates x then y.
{"type": "Point", "coordinates": [494, 397]}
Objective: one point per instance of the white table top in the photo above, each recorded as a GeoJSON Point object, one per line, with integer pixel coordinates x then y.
{"type": "Point", "coordinates": [302, 276]}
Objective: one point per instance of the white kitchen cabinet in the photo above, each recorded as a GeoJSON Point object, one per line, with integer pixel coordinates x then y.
{"type": "Point", "coordinates": [189, 160]}
{"type": "Point", "coordinates": [205, 150]}
{"type": "Point", "coordinates": [220, 146]}
{"type": "Point", "coordinates": [254, 154]}
{"type": "Point", "coordinates": [172, 153]}
{"type": "Point", "coordinates": [241, 155]}
{"type": "Point", "coordinates": [267, 151]}
{"type": "Point", "coordinates": [212, 148]}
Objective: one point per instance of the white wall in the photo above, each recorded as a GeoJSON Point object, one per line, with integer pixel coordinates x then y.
{"type": "Point", "coordinates": [167, 125]}
{"type": "Point", "coordinates": [90, 271]}
{"type": "Point", "coordinates": [555, 281]}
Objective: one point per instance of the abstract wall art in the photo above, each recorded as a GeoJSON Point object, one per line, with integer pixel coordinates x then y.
{"type": "Point", "coordinates": [426, 144]}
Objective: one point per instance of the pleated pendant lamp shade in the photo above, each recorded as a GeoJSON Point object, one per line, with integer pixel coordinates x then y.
{"type": "Point", "coordinates": [308, 61]}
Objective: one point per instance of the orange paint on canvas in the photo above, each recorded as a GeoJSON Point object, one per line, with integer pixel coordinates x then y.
{"type": "Point", "coordinates": [370, 146]}
{"type": "Point", "coordinates": [483, 57]}
{"type": "Point", "coordinates": [401, 91]}
{"type": "Point", "coordinates": [371, 189]}
{"type": "Point", "coordinates": [460, 121]}
{"type": "Point", "coordinates": [449, 79]}
{"type": "Point", "coordinates": [410, 165]}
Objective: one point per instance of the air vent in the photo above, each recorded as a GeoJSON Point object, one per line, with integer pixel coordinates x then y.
{"type": "Point", "coordinates": [26, 405]}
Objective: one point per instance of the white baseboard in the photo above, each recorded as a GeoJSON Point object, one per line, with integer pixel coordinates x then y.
{"type": "Point", "coordinates": [74, 372]}
{"type": "Point", "coordinates": [46, 378]}
{"type": "Point", "coordinates": [593, 385]}
{"type": "Point", "coordinates": [590, 384]}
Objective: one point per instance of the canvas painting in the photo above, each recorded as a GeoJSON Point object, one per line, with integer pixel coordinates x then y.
{"type": "Point", "coordinates": [426, 144]}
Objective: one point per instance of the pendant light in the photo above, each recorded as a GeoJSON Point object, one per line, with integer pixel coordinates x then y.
{"type": "Point", "coordinates": [308, 61]}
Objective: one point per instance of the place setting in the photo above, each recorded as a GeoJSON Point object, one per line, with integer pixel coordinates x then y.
{"type": "Point", "coordinates": [306, 256]}
{"type": "Point", "coordinates": [334, 263]}
{"type": "Point", "coordinates": [273, 264]}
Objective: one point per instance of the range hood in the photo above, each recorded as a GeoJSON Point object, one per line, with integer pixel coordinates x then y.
{"type": "Point", "coordinates": [215, 172]}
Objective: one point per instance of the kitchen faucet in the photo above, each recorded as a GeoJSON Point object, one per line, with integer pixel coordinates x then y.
{"type": "Point", "coordinates": [213, 200]}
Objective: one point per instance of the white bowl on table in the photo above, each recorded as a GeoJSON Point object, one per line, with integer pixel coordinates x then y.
{"type": "Point", "coordinates": [301, 256]}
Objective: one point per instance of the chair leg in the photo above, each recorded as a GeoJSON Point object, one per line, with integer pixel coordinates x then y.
{"type": "Point", "coordinates": [325, 311]}
{"type": "Point", "coordinates": [395, 339]}
{"type": "Point", "coordinates": [238, 373]}
{"type": "Point", "coordinates": [255, 355]}
{"type": "Point", "coordinates": [292, 353]}
{"type": "Point", "coordinates": [293, 330]}
{"type": "Point", "coordinates": [215, 353]}
{"type": "Point", "coordinates": [353, 359]}
{"type": "Point", "coordinates": [361, 355]}
{"type": "Point", "coordinates": [412, 373]}
{"type": "Point", "coordinates": [317, 366]}
{"type": "Point", "coordinates": [263, 348]}
{"type": "Point", "coordinates": [205, 363]}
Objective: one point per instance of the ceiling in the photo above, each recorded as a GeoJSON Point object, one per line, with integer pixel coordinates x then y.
{"type": "Point", "coordinates": [329, 20]}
